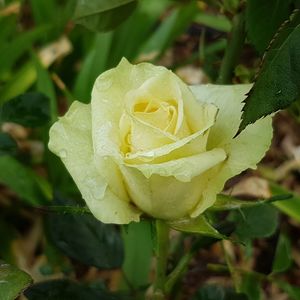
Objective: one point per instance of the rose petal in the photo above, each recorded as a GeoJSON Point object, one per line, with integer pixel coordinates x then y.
{"type": "Point", "coordinates": [243, 152]}
{"type": "Point", "coordinates": [108, 103]}
{"type": "Point", "coordinates": [161, 197]}
{"type": "Point", "coordinates": [70, 139]}
{"type": "Point", "coordinates": [184, 169]}
{"type": "Point", "coordinates": [228, 98]}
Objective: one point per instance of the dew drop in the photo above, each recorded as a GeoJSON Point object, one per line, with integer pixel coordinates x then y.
{"type": "Point", "coordinates": [63, 153]}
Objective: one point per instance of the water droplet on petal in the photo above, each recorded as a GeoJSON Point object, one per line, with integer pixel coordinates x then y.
{"type": "Point", "coordinates": [63, 153]}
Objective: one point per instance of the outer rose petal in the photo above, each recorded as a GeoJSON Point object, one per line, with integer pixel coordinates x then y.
{"type": "Point", "coordinates": [228, 98]}
{"type": "Point", "coordinates": [70, 139]}
{"type": "Point", "coordinates": [244, 152]}
{"type": "Point", "coordinates": [161, 197]}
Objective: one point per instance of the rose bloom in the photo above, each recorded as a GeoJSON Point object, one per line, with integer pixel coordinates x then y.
{"type": "Point", "coordinates": [149, 144]}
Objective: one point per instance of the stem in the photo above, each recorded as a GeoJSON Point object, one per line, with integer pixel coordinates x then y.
{"type": "Point", "coordinates": [233, 49]}
{"type": "Point", "coordinates": [178, 271]}
{"type": "Point", "coordinates": [229, 261]}
{"type": "Point", "coordinates": [162, 231]}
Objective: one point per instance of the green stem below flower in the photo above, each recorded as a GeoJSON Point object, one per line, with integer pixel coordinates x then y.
{"type": "Point", "coordinates": [162, 231]}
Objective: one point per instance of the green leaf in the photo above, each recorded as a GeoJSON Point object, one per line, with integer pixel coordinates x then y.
{"type": "Point", "coordinates": [7, 144]}
{"type": "Point", "coordinates": [198, 225]}
{"type": "Point", "coordinates": [30, 110]}
{"type": "Point", "coordinates": [21, 180]}
{"type": "Point", "coordinates": [103, 15]}
{"type": "Point", "coordinates": [45, 86]}
{"type": "Point", "coordinates": [225, 202]}
{"type": "Point", "coordinates": [94, 64]}
{"type": "Point", "coordinates": [138, 255]}
{"type": "Point", "coordinates": [67, 290]}
{"type": "Point", "coordinates": [12, 281]}
{"type": "Point", "coordinates": [278, 83]}
{"type": "Point", "coordinates": [215, 292]}
{"type": "Point", "coordinates": [291, 207]}
{"type": "Point", "coordinates": [178, 20]}
{"type": "Point", "coordinates": [217, 22]}
{"type": "Point", "coordinates": [255, 222]}
{"type": "Point", "coordinates": [86, 239]}
{"type": "Point", "coordinates": [250, 286]}
{"type": "Point", "coordinates": [261, 29]}
{"type": "Point", "coordinates": [19, 83]}
{"type": "Point", "coordinates": [13, 50]}
{"type": "Point", "coordinates": [291, 290]}
{"type": "Point", "coordinates": [283, 259]}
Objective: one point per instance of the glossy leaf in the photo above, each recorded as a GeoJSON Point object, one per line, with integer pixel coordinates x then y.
{"type": "Point", "coordinates": [30, 110]}
{"type": "Point", "coordinates": [278, 83]}
{"type": "Point", "coordinates": [67, 290]}
{"type": "Point", "coordinates": [283, 259]}
{"type": "Point", "coordinates": [261, 29]}
{"type": "Point", "coordinates": [12, 281]}
{"type": "Point", "coordinates": [198, 225]}
{"type": "Point", "coordinates": [102, 15]}
{"type": "Point", "coordinates": [85, 239]}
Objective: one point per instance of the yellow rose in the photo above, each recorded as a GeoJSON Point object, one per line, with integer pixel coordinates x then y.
{"type": "Point", "coordinates": [150, 144]}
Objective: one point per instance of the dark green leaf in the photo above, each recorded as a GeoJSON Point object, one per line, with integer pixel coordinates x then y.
{"type": "Point", "coordinates": [21, 180]}
{"type": "Point", "coordinates": [256, 222]}
{"type": "Point", "coordinates": [196, 225]}
{"type": "Point", "coordinates": [214, 292]}
{"type": "Point", "coordinates": [103, 15]}
{"type": "Point", "coordinates": [260, 28]}
{"type": "Point", "coordinates": [278, 83]}
{"type": "Point", "coordinates": [12, 281]}
{"type": "Point", "coordinates": [30, 109]}
{"type": "Point", "coordinates": [7, 144]}
{"type": "Point", "coordinates": [86, 239]}
{"type": "Point", "coordinates": [67, 290]}
{"type": "Point", "coordinates": [283, 259]}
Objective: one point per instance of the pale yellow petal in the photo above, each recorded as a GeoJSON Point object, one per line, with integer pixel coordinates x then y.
{"type": "Point", "coordinates": [190, 145]}
{"type": "Point", "coordinates": [228, 98]}
{"type": "Point", "coordinates": [243, 152]}
{"type": "Point", "coordinates": [71, 140]}
{"type": "Point", "coordinates": [161, 197]}
{"type": "Point", "coordinates": [184, 169]}
{"type": "Point", "coordinates": [108, 99]}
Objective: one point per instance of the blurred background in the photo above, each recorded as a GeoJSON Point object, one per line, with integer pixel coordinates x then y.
{"type": "Point", "coordinates": [50, 55]}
